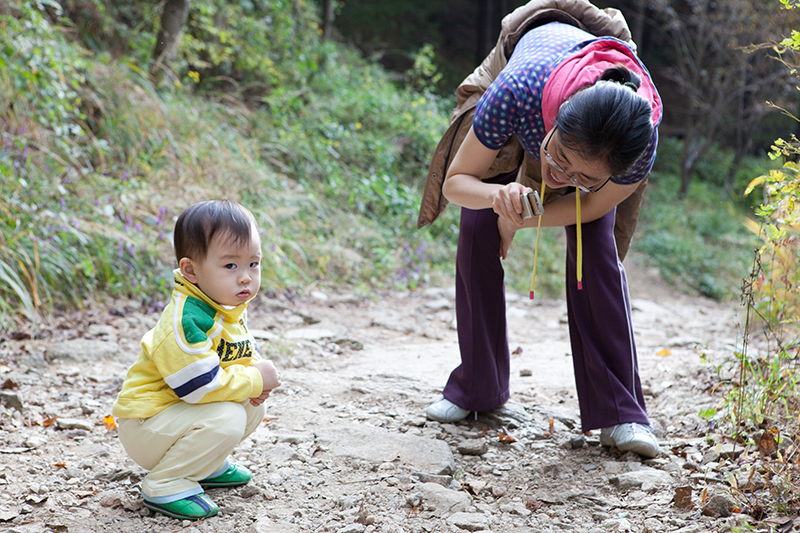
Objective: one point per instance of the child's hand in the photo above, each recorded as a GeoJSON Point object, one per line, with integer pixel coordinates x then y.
{"type": "Point", "coordinates": [255, 402]}
{"type": "Point", "coordinates": [269, 375]}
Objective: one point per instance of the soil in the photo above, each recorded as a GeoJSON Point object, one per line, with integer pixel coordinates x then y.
{"type": "Point", "coordinates": [346, 448]}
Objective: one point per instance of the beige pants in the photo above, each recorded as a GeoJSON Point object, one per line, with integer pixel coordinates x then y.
{"type": "Point", "coordinates": [186, 443]}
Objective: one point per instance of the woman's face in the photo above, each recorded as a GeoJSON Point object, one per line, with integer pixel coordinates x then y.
{"type": "Point", "coordinates": [563, 167]}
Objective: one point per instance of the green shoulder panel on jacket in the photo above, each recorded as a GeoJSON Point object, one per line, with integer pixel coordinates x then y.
{"type": "Point", "coordinates": [197, 320]}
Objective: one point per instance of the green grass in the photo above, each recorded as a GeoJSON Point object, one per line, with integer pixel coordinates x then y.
{"type": "Point", "coordinates": [330, 156]}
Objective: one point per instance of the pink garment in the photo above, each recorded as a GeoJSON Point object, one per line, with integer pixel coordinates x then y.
{"type": "Point", "coordinates": [584, 68]}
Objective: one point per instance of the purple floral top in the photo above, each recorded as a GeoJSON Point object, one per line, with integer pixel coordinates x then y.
{"type": "Point", "coordinates": [512, 105]}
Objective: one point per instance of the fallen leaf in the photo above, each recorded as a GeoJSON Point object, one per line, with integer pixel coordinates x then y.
{"type": "Point", "coordinates": [767, 443]}
{"type": "Point", "coordinates": [61, 465]}
{"type": "Point", "coordinates": [505, 437]}
{"type": "Point", "coordinates": [683, 498]}
{"type": "Point", "coordinates": [517, 351]}
{"type": "Point", "coordinates": [664, 353]}
{"type": "Point", "coordinates": [533, 505]}
{"type": "Point", "coordinates": [109, 423]}
{"type": "Point", "coordinates": [9, 384]}
{"type": "Point", "coordinates": [680, 452]}
{"type": "Point", "coordinates": [267, 420]}
{"type": "Point", "coordinates": [552, 426]}
{"type": "Point", "coordinates": [49, 421]}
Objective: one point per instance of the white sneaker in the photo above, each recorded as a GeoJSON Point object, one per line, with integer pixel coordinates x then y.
{"type": "Point", "coordinates": [631, 437]}
{"type": "Point", "coordinates": [443, 410]}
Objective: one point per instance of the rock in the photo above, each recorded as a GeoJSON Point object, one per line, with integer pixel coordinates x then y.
{"type": "Point", "coordinates": [81, 350]}
{"type": "Point", "coordinates": [747, 483]}
{"type": "Point", "coordinates": [511, 415]}
{"type": "Point", "coordinates": [711, 456]}
{"type": "Point", "coordinates": [469, 521]}
{"type": "Point", "coordinates": [34, 441]}
{"type": "Point", "coordinates": [730, 451]}
{"type": "Point", "coordinates": [262, 334]}
{"type": "Point", "coordinates": [319, 295]}
{"type": "Point", "coordinates": [74, 423]}
{"type": "Point", "coordinates": [376, 445]}
{"type": "Point", "coordinates": [473, 447]}
{"type": "Point", "coordinates": [443, 500]}
{"type": "Point", "coordinates": [428, 478]}
{"type": "Point", "coordinates": [317, 332]}
{"type": "Point", "coordinates": [516, 508]}
{"type": "Point", "coordinates": [352, 528]}
{"type": "Point", "coordinates": [652, 525]}
{"type": "Point", "coordinates": [683, 498]}
{"type": "Point", "coordinates": [264, 524]}
{"type": "Point", "coordinates": [645, 479]}
{"type": "Point", "coordinates": [439, 304]}
{"type": "Point", "coordinates": [280, 454]}
{"type": "Point", "coordinates": [575, 442]}
{"type": "Point", "coordinates": [719, 502]}
{"type": "Point", "coordinates": [7, 514]}
{"type": "Point", "coordinates": [12, 400]}
{"type": "Point", "coordinates": [102, 330]}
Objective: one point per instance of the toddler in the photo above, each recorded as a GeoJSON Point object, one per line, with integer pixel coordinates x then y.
{"type": "Point", "coordinates": [198, 386]}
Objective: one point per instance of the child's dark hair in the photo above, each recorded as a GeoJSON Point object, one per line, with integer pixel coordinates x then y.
{"type": "Point", "coordinates": [198, 224]}
{"type": "Point", "coordinates": [608, 121]}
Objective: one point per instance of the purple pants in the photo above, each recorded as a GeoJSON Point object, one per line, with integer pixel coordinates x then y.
{"type": "Point", "coordinates": [601, 334]}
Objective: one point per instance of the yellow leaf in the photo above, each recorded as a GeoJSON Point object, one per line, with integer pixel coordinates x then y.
{"type": "Point", "coordinates": [752, 225]}
{"type": "Point", "coordinates": [753, 184]}
{"type": "Point", "coordinates": [664, 353]}
{"type": "Point", "coordinates": [109, 423]}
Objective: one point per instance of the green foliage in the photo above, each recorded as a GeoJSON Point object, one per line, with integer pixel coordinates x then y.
{"type": "Point", "coordinates": [763, 392]}
{"type": "Point", "coordinates": [41, 68]}
{"type": "Point", "coordinates": [700, 242]}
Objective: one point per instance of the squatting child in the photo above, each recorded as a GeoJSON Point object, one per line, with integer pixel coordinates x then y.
{"type": "Point", "coordinates": [199, 385]}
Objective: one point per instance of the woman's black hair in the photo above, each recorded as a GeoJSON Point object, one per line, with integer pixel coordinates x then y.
{"type": "Point", "coordinates": [198, 224]}
{"type": "Point", "coordinates": [608, 121]}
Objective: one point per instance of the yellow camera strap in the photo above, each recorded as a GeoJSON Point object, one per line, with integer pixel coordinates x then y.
{"type": "Point", "coordinates": [536, 249]}
{"type": "Point", "coordinates": [579, 261]}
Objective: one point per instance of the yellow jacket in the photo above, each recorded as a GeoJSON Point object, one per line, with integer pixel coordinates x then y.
{"type": "Point", "coordinates": [199, 352]}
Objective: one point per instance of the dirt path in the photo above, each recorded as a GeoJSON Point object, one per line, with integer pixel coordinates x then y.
{"type": "Point", "coordinates": [346, 447]}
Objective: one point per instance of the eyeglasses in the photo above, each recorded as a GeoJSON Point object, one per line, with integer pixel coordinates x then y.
{"type": "Point", "coordinates": [563, 171]}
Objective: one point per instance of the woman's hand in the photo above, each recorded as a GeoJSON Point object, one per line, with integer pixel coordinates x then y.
{"type": "Point", "coordinates": [507, 232]}
{"type": "Point", "coordinates": [507, 203]}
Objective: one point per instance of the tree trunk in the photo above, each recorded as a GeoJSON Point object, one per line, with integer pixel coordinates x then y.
{"type": "Point", "coordinates": [327, 19]}
{"type": "Point", "coordinates": [172, 21]}
{"type": "Point", "coordinates": [637, 31]}
{"type": "Point", "coordinates": [484, 22]}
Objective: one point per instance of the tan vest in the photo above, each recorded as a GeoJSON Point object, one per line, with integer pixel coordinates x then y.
{"type": "Point", "coordinates": [580, 13]}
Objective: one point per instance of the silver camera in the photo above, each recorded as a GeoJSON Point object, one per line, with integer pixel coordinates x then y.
{"type": "Point", "coordinates": [531, 205]}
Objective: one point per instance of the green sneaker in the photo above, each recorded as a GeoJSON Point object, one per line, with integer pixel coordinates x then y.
{"type": "Point", "coordinates": [233, 476]}
{"type": "Point", "coordinates": [191, 508]}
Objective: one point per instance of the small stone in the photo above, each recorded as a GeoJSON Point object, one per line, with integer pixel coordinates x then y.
{"type": "Point", "coordinates": [748, 483]}
{"type": "Point", "coordinates": [473, 447]}
{"type": "Point", "coordinates": [34, 441]}
{"type": "Point", "coordinates": [719, 503]}
{"type": "Point", "coordinates": [468, 521]}
{"type": "Point", "coordinates": [652, 525]}
{"type": "Point", "coordinates": [576, 442]}
{"type": "Point", "coordinates": [683, 498]}
{"type": "Point", "coordinates": [73, 423]}
{"type": "Point", "coordinates": [645, 479]}
{"type": "Point", "coordinates": [12, 400]}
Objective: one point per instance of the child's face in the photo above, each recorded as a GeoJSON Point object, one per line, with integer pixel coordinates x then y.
{"type": "Point", "coordinates": [229, 275]}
